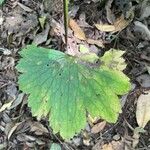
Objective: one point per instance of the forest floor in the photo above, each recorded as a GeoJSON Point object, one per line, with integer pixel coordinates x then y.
{"type": "Point", "coordinates": [25, 21]}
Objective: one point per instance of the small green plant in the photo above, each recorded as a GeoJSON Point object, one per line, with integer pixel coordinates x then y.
{"type": "Point", "coordinates": [64, 87]}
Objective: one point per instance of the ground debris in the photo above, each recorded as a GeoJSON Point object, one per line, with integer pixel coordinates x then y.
{"type": "Point", "coordinates": [20, 25]}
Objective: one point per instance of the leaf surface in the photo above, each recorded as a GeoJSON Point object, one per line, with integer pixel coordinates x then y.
{"type": "Point", "coordinates": [65, 87]}
{"type": "Point", "coordinates": [78, 32]}
{"type": "Point", "coordinates": [55, 146]}
{"type": "Point", "coordinates": [120, 24]}
{"type": "Point", "coordinates": [1, 1]}
{"type": "Point", "coordinates": [113, 59]}
{"type": "Point", "coordinates": [142, 110]}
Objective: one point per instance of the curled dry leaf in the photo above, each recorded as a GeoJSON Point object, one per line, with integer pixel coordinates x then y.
{"type": "Point", "coordinates": [118, 25]}
{"type": "Point", "coordinates": [105, 27]}
{"type": "Point", "coordinates": [78, 32]}
{"type": "Point", "coordinates": [98, 127]}
{"type": "Point", "coordinates": [143, 109]}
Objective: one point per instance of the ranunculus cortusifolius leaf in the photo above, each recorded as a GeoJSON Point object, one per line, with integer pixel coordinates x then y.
{"type": "Point", "coordinates": [64, 87]}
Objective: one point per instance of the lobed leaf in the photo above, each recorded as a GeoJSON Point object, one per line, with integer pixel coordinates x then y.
{"type": "Point", "coordinates": [64, 88]}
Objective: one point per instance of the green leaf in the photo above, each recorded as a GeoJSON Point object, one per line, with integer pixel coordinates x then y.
{"type": "Point", "coordinates": [1, 1]}
{"type": "Point", "coordinates": [65, 87]}
{"type": "Point", "coordinates": [83, 49]}
{"type": "Point", "coordinates": [89, 57]}
{"type": "Point", "coordinates": [86, 55]}
{"type": "Point", "coordinates": [112, 59]}
{"type": "Point", "coordinates": [55, 146]}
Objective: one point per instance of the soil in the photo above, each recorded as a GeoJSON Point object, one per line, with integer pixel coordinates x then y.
{"type": "Point", "coordinates": [20, 25]}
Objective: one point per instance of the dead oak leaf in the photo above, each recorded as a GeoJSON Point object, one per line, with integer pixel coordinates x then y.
{"type": "Point", "coordinates": [78, 32]}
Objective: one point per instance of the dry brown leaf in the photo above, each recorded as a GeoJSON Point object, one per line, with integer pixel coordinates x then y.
{"type": "Point", "coordinates": [107, 147]}
{"type": "Point", "coordinates": [12, 130]}
{"type": "Point", "coordinates": [78, 32]}
{"type": "Point", "coordinates": [105, 27]}
{"type": "Point", "coordinates": [114, 145]}
{"type": "Point", "coordinates": [96, 42]}
{"type": "Point", "coordinates": [143, 109]}
{"type": "Point", "coordinates": [98, 127]}
{"type": "Point", "coordinates": [118, 25]}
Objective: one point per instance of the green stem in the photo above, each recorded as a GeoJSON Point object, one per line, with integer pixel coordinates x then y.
{"type": "Point", "coordinates": [65, 9]}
